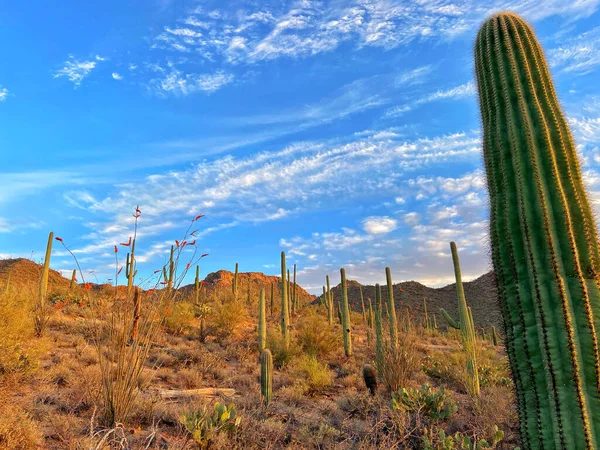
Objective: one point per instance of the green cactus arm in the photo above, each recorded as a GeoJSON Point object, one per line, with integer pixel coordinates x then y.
{"type": "Point", "coordinates": [453, 323]}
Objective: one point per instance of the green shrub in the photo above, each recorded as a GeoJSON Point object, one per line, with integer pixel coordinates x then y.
{"type": "Point", "coordinates": [315, 336]}
{"type": "Point", "coordinates": [205, 424]}
{"type": "Point", "coordinates": [435, 405]}
{"type": "Point", "coordinates": [180, 317]}
{"type": "Point", "coordinates": [314, 374]}
{"type": "Point", "coordinates": [228, 317]}
{"type": "Point", "coordinates": [436, 439]}
{"type": "Point", "coordinates": [281, 355]}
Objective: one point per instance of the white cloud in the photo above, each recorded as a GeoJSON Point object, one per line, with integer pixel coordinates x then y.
{"type": "Point", "coordinates": [464, 90]}
{"type": "Point", "coordinates": [179, 83]}
{"type": "Point", "coordinates": [379, 225]}
{"type": "Point", "coordinates": [116, 76]}
{"type": "Point", "coordinates": [3, 93]}
{"type": "Point", "coordinates": [76, 70]}
{"type": "Point", "coordinates": [579, 54]}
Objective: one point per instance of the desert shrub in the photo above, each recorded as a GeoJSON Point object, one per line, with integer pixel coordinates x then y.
{"type": "Point", "coordinates": [436, 439]}
{"type": "Point", "coordinates": [179, 318]}
{"type": "Point", "coordinates": [448, 368]}
{"type": "Point", "coordinates": [205, 424]}
{"type": "Point", "coordinates": [228, 317]}
{"type": "Point", "coordinates": [315, 375]}
{"type": "Point", "coordinates": [17, 430]}
{"type": "Point", "coordinates": [315, 336]}
{"type": "Point", "coordinates": [19, 351]}
{"type": "Point", "coordinates": [434, 405]}
{"type": "Point", "coordinates": [281, 355]}
{"type": "Point", "coordinates": [401, 363]}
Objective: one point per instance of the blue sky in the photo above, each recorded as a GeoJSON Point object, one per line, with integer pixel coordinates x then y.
{"type": "Point", "coordinates": [344, 132]}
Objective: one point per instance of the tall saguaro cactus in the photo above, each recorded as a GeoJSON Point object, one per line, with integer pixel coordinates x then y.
{"type": "Point", "coordinates": [329, 300]}
{"type": "Point", "coordinates": [346, 316]}
{"type": "Point", "coordinates": [262, 321]}
{"type": "Point", "coordinates": [544, 240]}
{"type": "Point", "coordinates": [234, 285]}
{"type": "Point", "coordinates": [266, 375]}
{"type": "Point", "coordinates": [285, 312]}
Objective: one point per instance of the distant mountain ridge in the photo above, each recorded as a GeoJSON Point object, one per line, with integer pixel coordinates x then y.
{"type": "Point", "coordinates": [481, 293]}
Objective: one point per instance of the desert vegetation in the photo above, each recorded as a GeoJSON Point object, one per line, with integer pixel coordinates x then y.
{"type": "Point", "coordinates": [242, 360]}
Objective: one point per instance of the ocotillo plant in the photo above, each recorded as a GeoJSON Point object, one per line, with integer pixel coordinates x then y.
{"type": "Point", "coordinates": [329, 300]}
{"type": "Point", "coordinates": [73, 279]}
{"type": "Point", "coordinates": [466, 326]}
{"type": "Point", "coordinates": [41, 317]}
{"type": "Point", "coordinates": [234, 285]}
{"type": "Point", "coordinates": [266, 375]}
{"type": "Point", "coordinates": [285, 313]}
{"type": "Point", "coordinates": [379, 343]}
{"type": "Point", "coordinates": [362, 303]}
{"type": "Point", "coordinates": [392, 309]}
{"type": "Point", "coordinates": [346, 325]}
{"type": "Point", "coordinates": [544, 240]}
{"type": "Point", "coordinates": [262, 321]}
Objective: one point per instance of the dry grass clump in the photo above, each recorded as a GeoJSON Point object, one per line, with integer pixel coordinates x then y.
{"type": "Point", "coordinates": [400, 363]}
{"type": "Point", "coordinates": [17, 429]}
{"type": "Point", "coordinates": [314, 375]}
{"type": "Point", "coordinates": [315, 336]}
{"type": "Point", "coordinates": [228, 316]}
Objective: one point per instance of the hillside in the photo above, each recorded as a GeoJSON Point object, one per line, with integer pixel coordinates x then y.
{"type": "Point", "coordinates": [481, 295]}
{"type": "Point", "coordinates": [24, 271]}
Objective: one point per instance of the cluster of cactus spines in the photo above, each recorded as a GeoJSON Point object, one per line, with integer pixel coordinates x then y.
{"type": "Point", "coordinates": [346, 325]}
{"type": "Point", "coordinates": [466, 326]}
{"type": "Point", "coordinates": [130, 270]}
{"type": "Point", "coordinates": [73, 279]}
{"type": "Point", "coordinates": [379, 343]}
{"type": "Point", "coordinates": [262, 321]}
{"type": "Point", "coordinates": [234, 285]}
{"type": "Point", "coordinates": [370, 378]}
{"type": "Point", "coordinates": [170, 273]}
{"type": "Point", "coordinates": [392, 309]}
{"type": "Point", "coordinates": [544, 240]}
{"type": "Point", "coordinates": [362, 302]}
{"type": "Point", "coordinates": [285, 312]}
{"type": "Point", "coordinates": [266, 375]}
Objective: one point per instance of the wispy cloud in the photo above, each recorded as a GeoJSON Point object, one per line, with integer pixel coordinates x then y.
{"type": "Point", "coordinates": [464, 90]}
{"type": "Point", "coordinates": [579, 54]}
{"type": "Point", "coordinates": [116, 76]}
{"type": "Point", "coordinates": [179, 83]}
{"type": "Point", "coordinates": [76, 70]}
{"type": "Point", "coordinates": [3, 93]}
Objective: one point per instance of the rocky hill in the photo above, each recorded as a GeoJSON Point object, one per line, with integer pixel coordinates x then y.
{"type": "Point", "coordinates": [24, 272]}
{"type": "Point", "coordinates": [481, 295]}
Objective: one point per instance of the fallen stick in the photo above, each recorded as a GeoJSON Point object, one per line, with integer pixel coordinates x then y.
{"type": "Point", "coordinates": [202, 392]}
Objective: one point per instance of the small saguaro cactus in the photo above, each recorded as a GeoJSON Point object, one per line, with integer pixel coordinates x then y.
{"type": "Point", "coordinates": [495, 339]}
{"type": "Point", "coordinates": [169, 274]}
{"type": "Point", "coordinates": [285, 312]}
{"type": "Point", "coordinates": [41, 317]}
{"type": "Point", "coordinates": [197, 285]}
{"type": "Point", "coordinates": [266, 375]}
{"type": "Point", "coordinates": [262, 321]}
{"type": "Point", "coordinates": [379, 343]}
{"type": "Point", "coordinates": [392, 309]}
{"type": "Point", "coordinates": [346, 316]}
{"type": "Point", "coordinates": [73, 279]}
{"type": "Point", "coordinates": [362, 303]}
{"type": "Point", "coordinates": [329, 300]}
{"type": "Point", "coordinates": [130, 271]}
{"type": "Point", "coordinates": [465, 325]}
{"type": "Point", "coordinates": [370, 378]}
{"type": "Point", "coordinates": [234, 285]}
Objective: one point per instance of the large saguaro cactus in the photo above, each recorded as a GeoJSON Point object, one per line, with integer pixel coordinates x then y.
{"type": "Point", "coordinates": [544, 240]}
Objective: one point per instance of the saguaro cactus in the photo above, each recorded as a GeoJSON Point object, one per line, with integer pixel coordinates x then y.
{"type": "Point", "coordinates": [266, 375]}
{"type": "Point", "coordinates": [544, 240]}
{"type": "Point", "coordinates": [329, 300]}
{"type": "Point", "coordinates": [170, 273]}
{"type": "Point", "coordinates": [379, 343]}
{"type": "Point", "coordinates": [295, 293]}
{"type": "Point", "coordinates": [285, 312]}
{"type": "Point", "coordinates": [465, 325]}
{"type": "Point", "coordinates": [41, 317]}
{"type": "Point", "coordinates": [73, 279]}
{"type": "Point", "coordinates": [234, 285]}
{"type": "Point", "coordinates": [346, 316]}
{"type": "Point", "coordinates": [392, 309]}
{"type": "Point", "coordinates": [262, 321]}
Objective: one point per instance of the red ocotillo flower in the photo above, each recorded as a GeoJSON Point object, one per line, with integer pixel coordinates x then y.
{"type": "Point", "coordinates": [59, 306]}
{"type": "Point", "coordinates": [187, 266]}
{"type": "Point", "coordinates": [198, 217]}
{"type": "Point", "coordinates": [126, 244]}
{"type": "Point", "coordinates": [205, 254]}
{"type": "Point", "coordinates": [192, 242]}
{"type": "Point", "coordinates": [138, 210]}
{"type": "Point", "coordinates": [156, 271]}
{"type": "Point", "coordinates": [193, 233]}
{"type": "Point", "coordinates": [87, 286]}
{"type": "Point", "coordinates": [116, 249]}
{"type": "Point", "coordinates": [164, 282]}
{"type": "Point", "coordinates": [176, 243]}
{"type": "Point", "coordinates": [59, 239]}
{"type": "Point", "coordinates": [119, 271]}
{"type": "Point", "coordinates": [183, 244]}
{"type": "Point", "coordinates": [204, 282]}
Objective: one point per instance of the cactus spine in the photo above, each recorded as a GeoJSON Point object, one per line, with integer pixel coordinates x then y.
{"type": "Point", "coordinates": [346, 316]}
{"type": "Point", "coordinates": [544, 240]}
{"type": "Point", "coordinates": [379, 344]}
{"type": "Point", "coordinates": [266, 375]}
{"type": "Point", "coordinates": [262, 321]}
{"type": "Point", "coordinates": [285, 313]}
{"type": "Point", "coordinates": [392, 309]}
